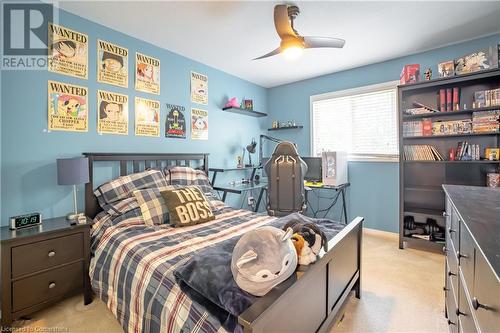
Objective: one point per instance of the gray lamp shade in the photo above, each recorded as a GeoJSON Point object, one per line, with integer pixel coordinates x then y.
{"type": "Point", "coordinates": [72, 171]}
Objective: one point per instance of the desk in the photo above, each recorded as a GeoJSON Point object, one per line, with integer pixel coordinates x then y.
{"type": "Point", "coordinates": [216, 170]}
{"type": "Point", "coordinates": [340, 191]}
{"type": "Point", "coordinates": [239, 188]}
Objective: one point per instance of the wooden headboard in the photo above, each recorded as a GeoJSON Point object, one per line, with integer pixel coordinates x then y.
{"type": "Point", "coordinates": [135, 162]}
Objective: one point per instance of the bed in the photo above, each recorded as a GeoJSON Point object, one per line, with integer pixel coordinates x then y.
{"type": "Point", "coordinates": [132, 265]}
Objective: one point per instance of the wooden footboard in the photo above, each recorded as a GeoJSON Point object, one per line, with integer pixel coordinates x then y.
{"type": "Point", "coordinates": [311, 298]}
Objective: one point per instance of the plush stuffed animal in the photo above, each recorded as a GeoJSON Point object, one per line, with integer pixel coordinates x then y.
{"type": "Point", "coordinates": [314, 240]}
{"type": "Point", "coordinates": [305, 255]}
{"type": "Point", "coordinates": [262, 259]}
{"type": "Point", "coordinates": [232, 103]}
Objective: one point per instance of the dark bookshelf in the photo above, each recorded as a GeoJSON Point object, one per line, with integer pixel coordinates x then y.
{"type": "Point", "coordinates": [449, 113]}
{"type": "Point", "coordinates": [245, 112]}
{"type": "Point", "coordinates": [421, 193]}
{"type": "Point", "coordinates": [285, 128]}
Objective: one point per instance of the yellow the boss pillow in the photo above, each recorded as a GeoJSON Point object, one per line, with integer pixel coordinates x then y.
{"type": "Point", "coordinates": [187, 206]}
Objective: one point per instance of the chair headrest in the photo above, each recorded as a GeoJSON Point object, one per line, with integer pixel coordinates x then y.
{"type": "Point", "coordinates": [285, 148]}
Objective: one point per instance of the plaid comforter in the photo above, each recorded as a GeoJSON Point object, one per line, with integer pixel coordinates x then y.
{"type": "Point", "coordinates": [133, 264]}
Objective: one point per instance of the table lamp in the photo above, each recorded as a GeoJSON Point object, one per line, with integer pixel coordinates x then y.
{"type": "Point", "coordinates": [251, 150]}
{"type": "Point", "coordinates": [73, 171]}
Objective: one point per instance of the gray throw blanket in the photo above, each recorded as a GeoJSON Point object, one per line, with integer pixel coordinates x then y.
{"type": "Point", "coordinates": [207, 276]}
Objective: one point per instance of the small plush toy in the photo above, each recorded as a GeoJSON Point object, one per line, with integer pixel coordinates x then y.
{"type": "Point", "coordinates": [314, 240]}
{"type": "Point", "coordinates": [263, 258]}
{"type": "Point", "coordinates": [305, 255]}
{"type": "Point", "coordinates": [232, 103]}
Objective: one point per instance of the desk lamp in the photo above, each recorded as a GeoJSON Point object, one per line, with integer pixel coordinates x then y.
{"type": "Point", "coordinates": [73, 171]}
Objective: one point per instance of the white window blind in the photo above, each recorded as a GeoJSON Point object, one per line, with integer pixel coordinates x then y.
{"type": "Point", "coordinates": [362, 123]}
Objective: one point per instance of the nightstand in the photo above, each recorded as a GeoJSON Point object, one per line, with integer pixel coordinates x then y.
{"type": "Point", "coordinates": [43, 264]}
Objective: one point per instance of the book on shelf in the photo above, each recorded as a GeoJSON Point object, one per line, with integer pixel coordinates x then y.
{"type": "Point", "coordinates": [486, 121]}
{"type": "Point", "coordinates": [466, 151]}
{"type": "Point", "coordinates": [451, 127]}
{"type": "Point", "coordinates": [449, 100]}
{"type": "Point", "coordinates": [421, 153]}
{"type": "Point", "coordinates": [486, 98]}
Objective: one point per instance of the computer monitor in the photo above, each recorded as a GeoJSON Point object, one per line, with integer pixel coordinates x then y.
{"type": "Point", "coordinates": [314, 171]}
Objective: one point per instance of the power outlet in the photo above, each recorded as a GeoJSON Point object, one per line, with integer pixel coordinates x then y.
{"type": "Point", "coordinates": [251, 201]}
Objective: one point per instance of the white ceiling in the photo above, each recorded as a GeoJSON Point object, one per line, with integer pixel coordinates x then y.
{"type": "Point", "coordinates": [227, 35]}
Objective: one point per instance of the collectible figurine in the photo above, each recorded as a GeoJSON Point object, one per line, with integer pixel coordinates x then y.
{"type": "Point", "coordinates": [428, 74]}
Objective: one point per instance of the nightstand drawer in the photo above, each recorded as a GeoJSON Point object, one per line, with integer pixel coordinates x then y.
{"type": "Point", "coordinates": [33, 257]}
{"type": "Point", "coordinates": [44, 286]}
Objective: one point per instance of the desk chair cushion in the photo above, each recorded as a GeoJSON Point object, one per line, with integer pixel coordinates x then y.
{"type": "Point", "coordinates": [285, 170]}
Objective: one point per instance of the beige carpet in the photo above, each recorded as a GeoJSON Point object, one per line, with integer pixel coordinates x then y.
{"type": "Point", "coordinates": [402, 292]}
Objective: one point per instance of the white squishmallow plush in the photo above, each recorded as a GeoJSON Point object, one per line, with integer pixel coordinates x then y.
{"type": "Point", "coordinates": [262, 259]}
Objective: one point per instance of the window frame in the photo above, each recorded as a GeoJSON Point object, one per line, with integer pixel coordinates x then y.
{"type": "Point", "coordinates": [355, 91]}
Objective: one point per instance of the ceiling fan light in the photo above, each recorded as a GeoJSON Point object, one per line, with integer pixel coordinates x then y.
{"type": "Point", "coordinates": [292, 48]}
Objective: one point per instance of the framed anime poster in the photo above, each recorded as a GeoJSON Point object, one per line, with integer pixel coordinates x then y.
{"type": "Point", "coordinates": [67, 51]}
{"type": "Point", "coordinates": [147, 74]}
{"type": "Point", "coordinates": [112, 117]}
{"type": "Point", "coordinates": [67, 107]}
{"type": "Point", "coordinates": [199, 124]}
{"type": "Point", "coordinates": [175, 123]}
{"type": "Point", "coordinates": [147, 117]}
{"type": "Point", "coordinates": [199, 88]}
{"type": "Point", "coordinates": [112, 64]}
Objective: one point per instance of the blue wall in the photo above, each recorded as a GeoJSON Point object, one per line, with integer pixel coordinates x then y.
{"type": "Point", "coordinates": [374, 186]}
{"type": "Point", "coordinates": [28, 152]}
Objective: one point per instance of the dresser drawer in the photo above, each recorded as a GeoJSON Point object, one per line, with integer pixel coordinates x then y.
{"type": "Point", "coordinates": [452, 274]}
{"type": "Point", "coordinates": [451, 307]}
{"type": "Point", "coordinates": [466, 254]}
{"type": "Point", "coordinates": [465, 319]}
{"type": "Point", "coordinates": [486, 297]}
{"type": "Point", "coordinates": [452, 230]}
{"type": "Point", "coordinates": [33, 257]}
{"type": "Point", "coordinates": [44, 286]}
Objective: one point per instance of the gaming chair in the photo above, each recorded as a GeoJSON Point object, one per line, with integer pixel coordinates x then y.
{"type": "Point", "coordinates": [285, 171]}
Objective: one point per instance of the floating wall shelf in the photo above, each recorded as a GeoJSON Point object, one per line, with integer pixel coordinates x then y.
{"type": "Point", "coordinates": [284, 128]}
{"type": "Point", "coordinates": [245, 112]}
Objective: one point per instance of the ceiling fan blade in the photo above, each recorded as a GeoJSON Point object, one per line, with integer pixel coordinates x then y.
{"type": "Point", "coordinates": [315, 42]}
{"type": "Point", "coordinates": [270, 54]}
{"type": "Point", "coordinates": [282, 22]}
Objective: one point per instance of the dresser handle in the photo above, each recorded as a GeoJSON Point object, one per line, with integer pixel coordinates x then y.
{"type": "Point", "coordinates": [51, 254]}
{"type": "Point", "coordinates": [450, 230]}
{"type": "Point", "coordinates": [450, 273]}
{"type": "Point", "coordinates": [476, 305]}
{"type": "Point", "coordinates": [459, 255]}
{"type": "Point", "coordinates": [52, 285]}
{"type": "Point", "coordinates": [450, 322]}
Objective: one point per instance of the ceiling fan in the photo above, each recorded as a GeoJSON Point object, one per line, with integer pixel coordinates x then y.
{"type": "Point", "coordinates": [292, 44]}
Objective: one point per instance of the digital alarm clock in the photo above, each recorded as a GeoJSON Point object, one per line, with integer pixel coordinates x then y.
{"type": "Point", "coordinates": [27, 220]}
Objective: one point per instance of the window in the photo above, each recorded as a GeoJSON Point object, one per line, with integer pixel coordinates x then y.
{"type": "Point", "coordinates": [361, 121]}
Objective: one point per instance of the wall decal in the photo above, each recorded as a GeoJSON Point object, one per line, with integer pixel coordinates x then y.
{"type": "Point", "coordinates": [112, 64]}
{"type": "Point", "coordinates": [147, 117]}
{"type": "Point", "coordinates": [199, 88]}
{"type": "Point", "coordinates": [147, 74]}
{"type": "Point", "coordinates": [199, 124]}
{"type": "Point", "coordinates": [112, 117]}
{"type": "Point", "coordinates": [175, 123]}
{"type": "Point", "coordinates": [68, 51]}
{"type": "Point", "coordinates": [67, 107]}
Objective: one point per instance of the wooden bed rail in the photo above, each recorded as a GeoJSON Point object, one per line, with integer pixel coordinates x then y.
{"type": "Point", "coordinates": [310, 300]}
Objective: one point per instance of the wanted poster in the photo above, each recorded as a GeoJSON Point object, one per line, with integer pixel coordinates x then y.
{"type": "Point", "coordinates": [175, 123]}
{"type": "Point", "coordinates": [147, 74]}
{"type": "Point", "coordinates": [199, 88]}
{"type": "Point", "coordinates": [112, 64]}
{"type": "Point", "coordinates": [147, 117]}
{"type": "Point", "coordinates": [112, 117]}
{"type": "Point", "coordinates": [67, 51]}
{"type": "Point", "coordinates": [67, 107]}
{"type": "Point", "coordinates": [199, 124]}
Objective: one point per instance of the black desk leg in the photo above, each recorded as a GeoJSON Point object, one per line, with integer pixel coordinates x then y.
{"type": "Point", "coordinates": [344, 205]}
{"type": "Point", "coordinates": [256, 209]}
{"type": "Point", "coordinates": [224, 196]}
{"type": "Point", "coordinates": [213, 178]}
